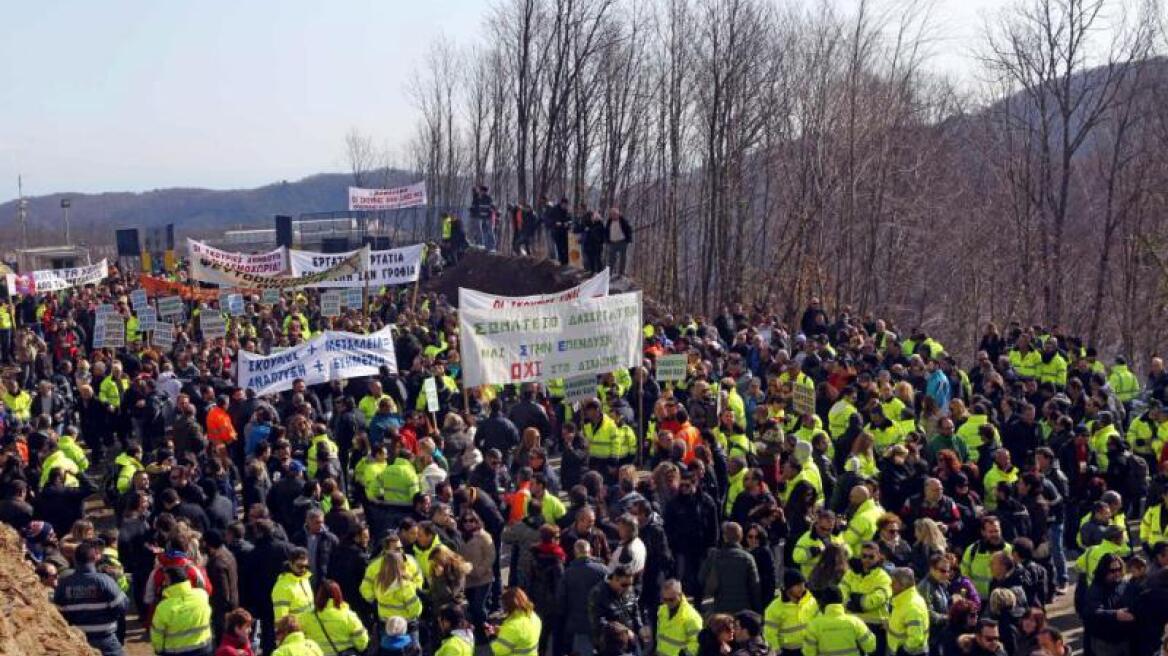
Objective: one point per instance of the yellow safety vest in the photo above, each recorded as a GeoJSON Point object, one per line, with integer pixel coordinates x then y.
{"type": "Point", "coordinates": [292, 594]}
{"type": "Point", "coordinates": [399, 483]}
{"type": "Point", "coordinates": [182, 621]}
{"type": "Point", "coordinates": [1123, 382]}
{"type": "Point", "coordinates": [908, 625]}
{"type": "Point", "coordinates": [875, 590]}
{"type": "Point", "coordinates": [518, 636]}
{"type": "Point", "coordinates": [1151, 526]}
{"type": "Point", "coordinates": [976, 565]}
{"type": "Point", "coordinates": [802, 552]}
{"type": "Point", "coordinates": [862, 525]}
{"type": "Point", "coordinates": [678, 631]}
{"type": "Point", "coordinates": [836, 633]}
{"type": "Point", "coordinates": [785, 622]}
{"type": "Point", "coordinates": [342, 626]}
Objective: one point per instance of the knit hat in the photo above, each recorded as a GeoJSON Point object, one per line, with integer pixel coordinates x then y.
{"type": "Point", "coordinates": [793, 577]}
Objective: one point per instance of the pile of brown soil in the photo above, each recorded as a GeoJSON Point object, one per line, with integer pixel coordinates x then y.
{"type": "Point", "coordinates": [503, 275]}
{"type": "Point", "coordinates": [30, 625]}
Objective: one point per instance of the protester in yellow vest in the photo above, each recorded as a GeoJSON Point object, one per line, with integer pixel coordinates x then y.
{"type": "Point", "coordinates": [834, 632]}
{"type": "Point", "coordinates": [678, 622]}
{"type": "Point", "coordinates": [181, 623]}
{"type": "Point", "coordinates": [908, 623]}
{"type": "Point", "coordinates": [519, 633]}
{"type": "Point", "coordinates": [785, 620]}
{"type": "Point", "coordinates": [292, 593]}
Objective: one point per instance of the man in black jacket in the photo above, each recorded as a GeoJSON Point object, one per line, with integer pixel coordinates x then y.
{"type": "Point", "coordinates": [559, 218]}
{"type": "Point", "coordinates": [614, 601]}
{"type": "Point", "coordinates": [320, 543]}
{"type": "Point", "coordinates": [581, 577]}
{"type": "Point", "coordinates": [530, 414]}
{"type": "Point", "coordinates": [691, 528]}
{"type": "Point", "coordinates": [498, 432]}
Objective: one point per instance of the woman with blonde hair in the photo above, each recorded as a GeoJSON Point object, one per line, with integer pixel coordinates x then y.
{"type": "Point", "coordinates": [930, 541]}
{"type": "Point", "coordinates": [394, 590]}
{"type": "Point", "coordinates": [519, 633]}
{"type": "Point", "coordinates": [448, 572]}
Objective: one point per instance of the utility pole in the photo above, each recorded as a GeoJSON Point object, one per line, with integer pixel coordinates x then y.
{"type": "Point", "coordinates": [22, 211]}
{"type": "Point", "coordinates": [65, 204]}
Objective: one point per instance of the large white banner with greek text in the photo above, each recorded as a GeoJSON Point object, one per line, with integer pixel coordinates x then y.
{"type": "Point", "coordinates": [54, 280]}
{"type": "Point", "coordinates": [387, 199]}
{"type": "Point", "coordinates": [210, 264]}
{"type": "Point", "coordinates": [469, 299]}
{"type": "Point", "coordinates": [564, 340]}
{"type": "Point", "coordinates": [397, 266]}
{"type": "Point", "coordinates": [332, 355]}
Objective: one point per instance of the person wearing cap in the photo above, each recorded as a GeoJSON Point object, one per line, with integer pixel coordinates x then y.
{"type": "Point", "coordinates": [808, 471]}
{"type": "Point", "coordinates": [1154, 523]}
{"type": "Point", "coordinates": [834, 632]}
{"type": "Point", "coordinates": [1113, 543]}
{"type": "Point", "coordinates": [785, 620]}
{"type": "Point", "coordinates": [678, 622]}
{"type": "Point", "coordinates": [908, 623]}
{"type": "Point", "coordinates": [1102, 430]}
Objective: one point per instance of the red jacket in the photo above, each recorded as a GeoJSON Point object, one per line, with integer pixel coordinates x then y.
{"type": "Point", "coordinates": [233, 646]}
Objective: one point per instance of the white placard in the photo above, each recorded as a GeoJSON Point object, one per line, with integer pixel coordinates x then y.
{"type": "Point", "coordinates": [387, 199]}
{"type": "Point", "coordinates": [109, 333]}
{"type": "Point", "coordinates": [163, 335]}
{"type": "Point", "coordinates": [354, 298]}
{"type": "Point", "coordinates": [170, 306]}
{"type": "Point", "coordinates": [210, 264]}
{"type": "Point", "coordinates": [212, 325]}
{"type": "Point", "coordinates": [270, 297]}
{"type": "Point", "coordinates": [147, 319]}
{"type": "Point", "coordinates": [105, 310]}
{"type": "Point", "coordinates": [469, 299]}
{"type": "Point", "coordinates": [672, 368]}
{"type": "Point", "coordinates": [235, 305]}
{"type": "Point", "coordinates": [565, 340]}
{"type": "Point", "coordinates": [330, 304]}
{"type": "Point", "coordinates": [332, 355]}
{"type": "Point", "coordinates": [397, 266]}
{"type": "Point", "coordinates": [138, 299]}
{"type": "Point", "coordinates": [54, 280]}
{"type": "Point", "coordinates": [579, 389]}
{"type": "Point", "coordinates": [430, 389]}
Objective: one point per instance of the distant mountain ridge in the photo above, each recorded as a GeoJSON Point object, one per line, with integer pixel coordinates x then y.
{"type": "Point", "coordinates": [94, 217]}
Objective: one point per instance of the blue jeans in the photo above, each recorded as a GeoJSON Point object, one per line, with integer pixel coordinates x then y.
{"type": "Point", "coordinates": [1058, 554]}
{"type": "Point", "coordinates": [487, 234]}
{"type": "Point", "coordinates": [476, 603]}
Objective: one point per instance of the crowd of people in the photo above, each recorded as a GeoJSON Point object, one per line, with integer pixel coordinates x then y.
{"type": "Point", "coordinates": [823, 487]}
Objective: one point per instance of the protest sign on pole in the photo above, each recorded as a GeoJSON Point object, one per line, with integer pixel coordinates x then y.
{"type": "Point", "coordinates": [212, 325]}
{"type": "Point", "coordinates": [104, 310]}
{"type": "Point", "coordinates": [330, 304]}
{"type": "Point", "coordinates": [469, 299]}
{"type": "Point", "coordinates": [55, 280]}
{"type": "Point", "coordinates": [430, 389]}
{"type": "Point", "coordinates": [579, 389]}
{"type": "Point", "coordinates": [210, 264]}
{"type": "Point", "coordinates": [354, 298]}
{"type": "Point", "coordinates": [224, 299]}
{"type": "Point", "coordinates": [397, 266]}
{"type": "Point", "coordinates": [163, 335]}
{"type": "Point", "coordinates": [804, 399]}
{"type": "Point", "coordinates": [387, 199]}
{"type": "Point", "coordinates": [566, 340]}
{"type": "Point", "coordinates": [138, 299]}
{"type": "Point", "coordinates": [235, 305]}
{"type": "Point", "coordinates": [109, 332]}
{"type": "Point", "coordinates": [170, 306]}
{"type": "Point", "coordinates": [147, 319]}
{"type": "Point", "coordinates": [270, 296]}
{"type": "Point", "coordinates": [671, 368]}
{"type": "Point", "coordinates": [332, 355]}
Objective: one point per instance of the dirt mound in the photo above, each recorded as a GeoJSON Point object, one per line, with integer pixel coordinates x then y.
{"type": "Point", "coordinates": [514, 275]}
{"type": "Point", "coordinates": [504, 275]}
{"type": "Point", "coordinates": [30, 625]}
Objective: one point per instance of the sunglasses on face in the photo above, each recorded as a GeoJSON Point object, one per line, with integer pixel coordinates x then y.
{"type": "Point", "coordinates": [868, 557]}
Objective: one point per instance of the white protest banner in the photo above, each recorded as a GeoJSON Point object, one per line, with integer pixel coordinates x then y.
{"type": "Point", "coordinates": [104, 310]}
{"type": "Point", "coordinates": [170, 306]}
{"type": "Point", "coordinates": [330, 304]}
{"type": "Point", "coordinates": [270, 296]}
{"type": "Point", "coordinates": [397, 266]}
{"type": "Point", "coordinates": [147, 319]}
{"type": "Point", "coordinates": [565, 340]}
{"type": "Point", "coordinates": [212, 325]}
{"type": "Point", "coordinates": [163, 335]}
{"type": "Point", "coordinates": [469, 299]}
{"type": "Point", "coordinates": [350, 265]}
{"type": "Point", "coordinates": [671, 368]}
{"type": "Point", "coordinates": [332, 355]}
{"type": "Point", "coordinates": [387, 199]}
{"type": "Point", "coordinates": [579, 389]}
{"type": "Point", "coordinates": [354, 298]}
{"type": "Point", "coordinates": [209, 264]}
{"type": "Point", "coordinates": [138, 299]}
{"type": "Point", "coordinates": [430, 389]}
{"type": "Point", "coordinates": [54, 280]}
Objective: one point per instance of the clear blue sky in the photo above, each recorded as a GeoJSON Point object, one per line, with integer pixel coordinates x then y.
{"type": "Point", "coordinates": [135, 95]}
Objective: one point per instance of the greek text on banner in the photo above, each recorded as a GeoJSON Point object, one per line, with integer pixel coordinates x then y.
{"type": "Point", "coordinates": [54, 280]}
{"type": "Point", "coordinates": [595, 286]}
{"type": "Point", "coordinates": [332, 355]}
{"type": "Point", "coordinates": [209, 263]}
{"type": "Point", "coordinates": [397, 266]}
{"type": "Point", "coordinates": [586, 337]}
{"type": "Point", "coordinates": [387, 199]}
